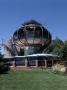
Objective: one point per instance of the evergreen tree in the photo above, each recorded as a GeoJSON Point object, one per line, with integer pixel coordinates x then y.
{"type": "Point", "coordinates": [64, 51]}
{"type": "Point", "coordinates": [55, 47]}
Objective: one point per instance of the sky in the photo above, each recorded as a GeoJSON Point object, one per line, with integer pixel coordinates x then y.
{"type": "Point", "coordinates": [52, 14]}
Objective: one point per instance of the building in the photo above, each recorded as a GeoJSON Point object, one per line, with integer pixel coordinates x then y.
{"type": "Point", "coordinates": [32, 61]}
{"type": "Point", "coordinates": [26, 46]}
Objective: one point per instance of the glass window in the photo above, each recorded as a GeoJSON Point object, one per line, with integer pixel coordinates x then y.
{"type": "Point", "coordinates": [29, 34]}
{"type": "Point", "coordinates": [20, 61]}
{"type": "Point", "coordinates": [38, 33]}
{"type": "Point", "coordinates": [41, 61]}
{"type": "Point", "coordinates": [41, 58]}
{"type": "Point", "coordinates": [31, 61]}
{"type": "Point", "coordinates": [10, 63]}
{"type": "Point", "coordinates": [49, 63]}
{"type": "Point", "coordinates": [45, 34]}
{"type": "Point", "coordinates": [20, 34]}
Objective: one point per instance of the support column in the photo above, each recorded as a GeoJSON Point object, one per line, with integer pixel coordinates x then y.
{"type": "Point", "coordinates": [45, 63]}
{"type": "Point", "coordinates": [14, 64]}
{"type": "Point", "coordinates": [36, 63]}
{"type": "Point", "coordinates": [26, 62]}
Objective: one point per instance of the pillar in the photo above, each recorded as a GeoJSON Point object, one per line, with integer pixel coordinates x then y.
{"type": "Point", "coordinates": [14, 64]}
{"type": "Point", "coordinates": [45, 63]}
{"type": "Point", "coordinates": [36, 63]}
{"type": "Point", "coordinates": [26, 62]}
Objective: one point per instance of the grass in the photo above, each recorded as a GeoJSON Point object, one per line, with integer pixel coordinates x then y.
{"type": "Point", "coordinates": [33, 80]}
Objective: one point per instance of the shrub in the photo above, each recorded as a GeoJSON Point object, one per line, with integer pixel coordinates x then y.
{"type": "Point", "coordinates": [59, 68]}
{"type": "Point", "coordinates": [3, 67]}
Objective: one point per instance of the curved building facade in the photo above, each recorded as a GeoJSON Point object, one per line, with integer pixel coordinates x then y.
{"type": "Point", "coordinates": [31, 38]}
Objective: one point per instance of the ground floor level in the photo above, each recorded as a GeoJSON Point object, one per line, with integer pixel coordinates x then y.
{"type": "Point", "coordinates": [32, 61]}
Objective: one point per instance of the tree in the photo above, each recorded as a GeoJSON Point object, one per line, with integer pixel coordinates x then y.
{"type": "Point", "coordinates": [3, 67]}
{"type": "Point", "coordinates": [55, 47]}
{"type": "Point", "coordinates": [64, 51]}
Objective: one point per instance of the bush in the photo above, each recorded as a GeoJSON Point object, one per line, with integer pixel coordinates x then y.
{"type": "Point", "coordinates": [59, 68]}
{"type": "Point", "coordinates": [3, 67]}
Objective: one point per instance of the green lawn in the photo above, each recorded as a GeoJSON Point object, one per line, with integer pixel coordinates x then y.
{"type": "Point", "coordinates": [33, 80]}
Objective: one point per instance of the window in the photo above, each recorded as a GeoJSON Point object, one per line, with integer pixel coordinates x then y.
{"type": "Point", "coordinates": [20, 61]}
{"type": "Point", "coordinates": [41, 61]}
{"type": "Point", "coordinates": [20, 34]}
{"type": "Point", "coordinates": [21, 52]}
{"type": "Point", "coordinates": [45, 34]}
{"type": "Point", "coordinates": [31, 61]}
{"type": "Point", "coordinates": [29, 33]}
{"type": "Point", "coordinates": [10, 63]}
{"type": "Point", "coordinates": [38, 33]}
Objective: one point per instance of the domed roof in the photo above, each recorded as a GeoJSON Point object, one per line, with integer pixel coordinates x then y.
{"type": "Point", "coordinates": [31, 22]}
{"type": "Point", "coordinates": [32, 33]}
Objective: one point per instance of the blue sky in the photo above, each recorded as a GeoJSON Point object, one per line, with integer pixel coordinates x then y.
{"type": "Point", "coordinates": [51, 13]}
